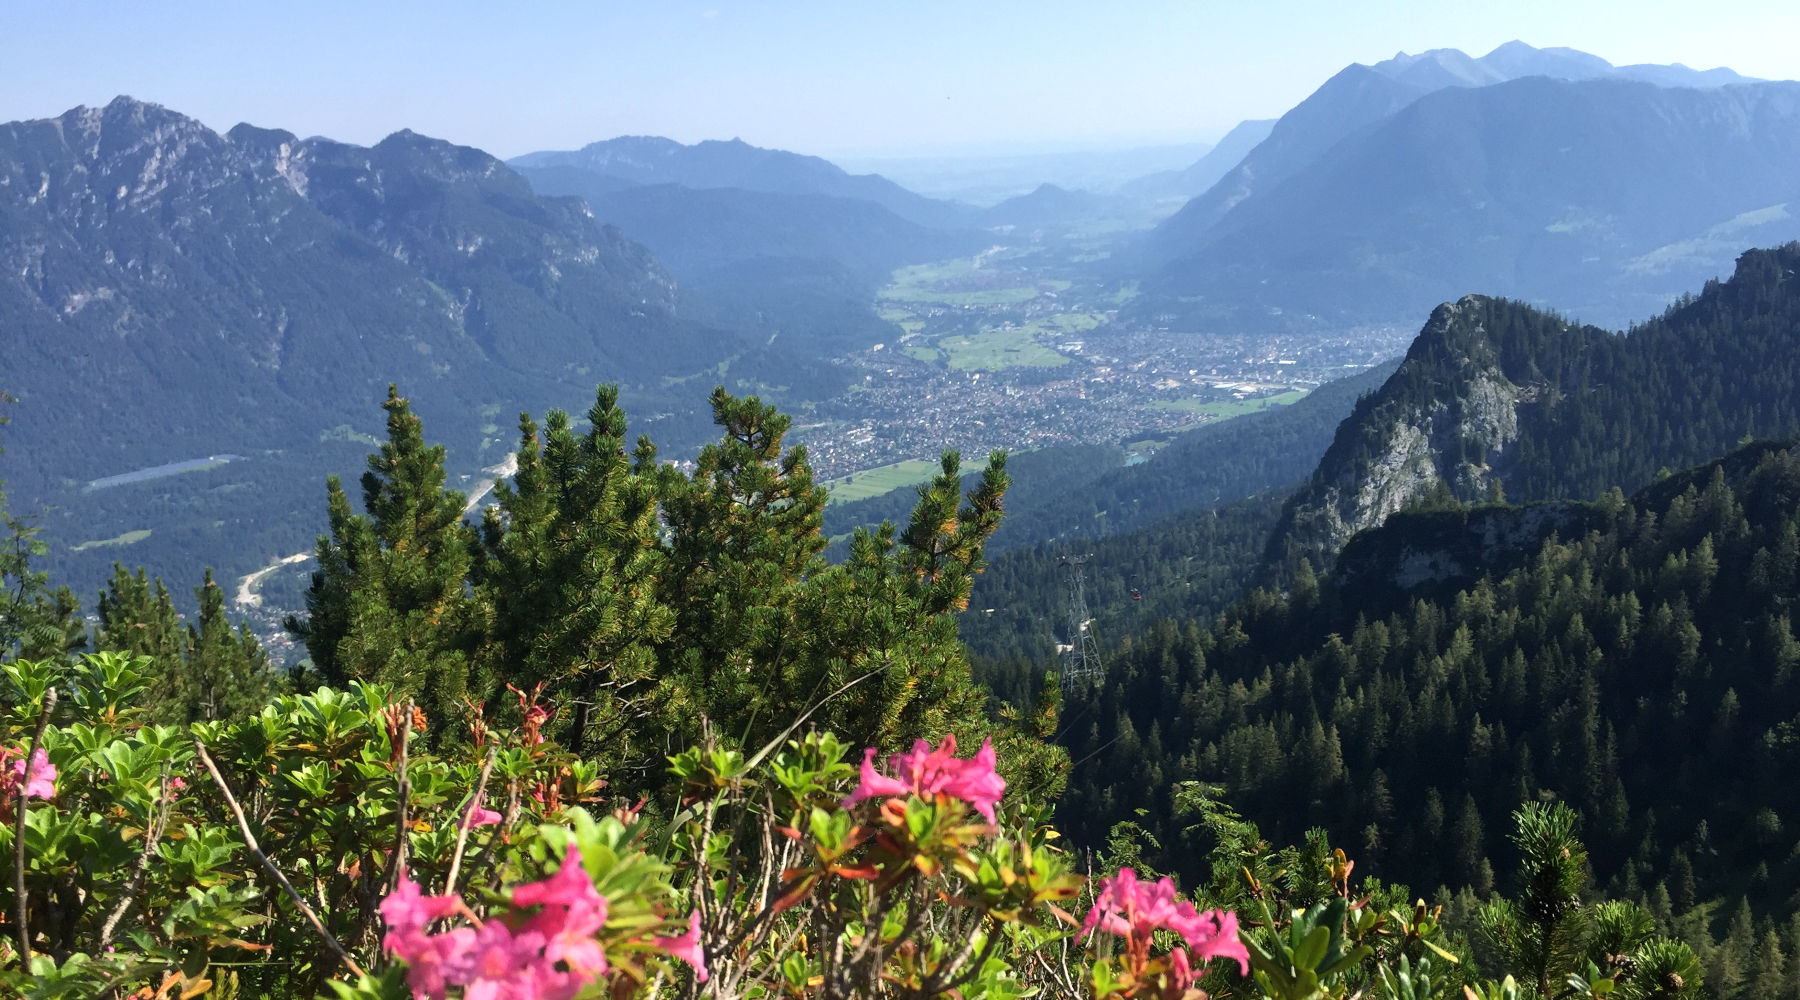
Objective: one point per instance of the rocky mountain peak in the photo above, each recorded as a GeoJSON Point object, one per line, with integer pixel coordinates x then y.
{"type": "Point", "coordinates": [1444, 422]}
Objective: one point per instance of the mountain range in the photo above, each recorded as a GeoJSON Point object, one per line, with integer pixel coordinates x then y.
{"type": "Point", "coordinates": [1197, 177]}
{"type": "Point", "coordinates": [175, 294]}
{"type": "Point", "coordinates": [1546, 175]}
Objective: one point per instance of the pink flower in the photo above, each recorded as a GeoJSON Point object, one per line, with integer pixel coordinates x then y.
{"type": "Point", "coordinates": [177, 786]}
{"type": "Point", "coordinates": [1180, 970]}
{"type": "Point", "coordinates": [493, 962]}
{"type": "Point", "coordinates": [1214, 934]}
{"type": "Point", "coordinates": [687, 947]}
{"type": "Point", "coordinates": [573, 912]}
{"type": "Point", "coordinates": [929, 773]}
{"type": "Point", "coordinates": [41, 784]}
{"type": "Point", "coordinates": [1134, 910]}
{"type": "Point", "coordinates": [477, 816]}
{"type": "Point", "coordinates": [408, 912]}
{"type": "Point", "coordinates": [547, 955]}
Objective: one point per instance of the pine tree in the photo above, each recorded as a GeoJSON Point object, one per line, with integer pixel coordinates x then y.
{"type": "Point", "coordinates": [742, 536]}
{"type": "Point", "coordinates": [227, 672]}
{"type": "Point", "coordinates": [1768, 968]}
{"type": "Point", "coordinates": [138, 617]}
{"type": "Point", "coordinates": [1540, 935]}
{"type": "Point", "coordinates": [1467, 848]}
{"type": "Point", "coordinates": [568, 581]}
{"type": "Point", "coordinates": [389, 600]}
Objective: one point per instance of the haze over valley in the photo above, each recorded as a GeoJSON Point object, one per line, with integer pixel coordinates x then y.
{"type": "Point", "coordinates": [1182, 286]}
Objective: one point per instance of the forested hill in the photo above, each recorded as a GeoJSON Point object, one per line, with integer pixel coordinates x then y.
{"type": "Point", "coordinates": [1642, 671]}
{"type": "Point", "coordinates": [1497, 396]}
{"type": "Point", "coordinates": [802, 266]}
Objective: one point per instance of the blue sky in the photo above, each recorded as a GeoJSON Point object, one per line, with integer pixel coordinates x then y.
{"type": "Point", "coordinates": [843, 78]}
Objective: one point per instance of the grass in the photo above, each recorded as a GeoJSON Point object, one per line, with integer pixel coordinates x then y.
{"type": "Point", "coordinates": [951, 283]}
{"type": "Point", "coordinates": [993, 350]}
{"type": "Point", "coordinates": [119, 542]}
{"type": "Point", "coordinates": [926, 354]}
{"type": "Point", "coordinates": [1075, 322]}
{"type": "Point", "coordinates": [881, 479]}
{"type": "Point", "coordinates": [1227, 407]}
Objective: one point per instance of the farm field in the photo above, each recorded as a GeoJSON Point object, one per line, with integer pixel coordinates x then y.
{"type": "Point", "coordinates": [963, 281]}
{"type": "Point", "coordinates": [881, 479]}
{"type": "Point", "coordinates": [1226, 407]}
{"type": "Point", "coordinates": [995, 350]}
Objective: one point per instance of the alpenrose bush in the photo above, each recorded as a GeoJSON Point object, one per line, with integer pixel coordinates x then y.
{"type": "Point", "coordinates": [319, 848]}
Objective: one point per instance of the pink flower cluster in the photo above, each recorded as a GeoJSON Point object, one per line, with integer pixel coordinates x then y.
{"type": "Point", "coordinates": [927, 773]}
{"type": "Point", "coordinates": [547, 955]}
{"type": "Point", "coordinates": [1134, 910]}
{"type": "Point", "coordinates": [40, 782]}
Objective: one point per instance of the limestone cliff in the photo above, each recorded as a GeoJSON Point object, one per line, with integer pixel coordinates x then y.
{"type": "Point", "coordinates": [1444, 422]}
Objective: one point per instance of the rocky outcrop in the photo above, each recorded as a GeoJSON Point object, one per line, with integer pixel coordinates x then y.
{"type": "Point", "coordinates": [1442, 424]}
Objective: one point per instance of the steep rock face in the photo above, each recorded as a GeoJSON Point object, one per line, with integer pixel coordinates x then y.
{"type": "Point", "coordinates": [1496, 392]}
{"type": "Point", "coordinates": [1445, 419]}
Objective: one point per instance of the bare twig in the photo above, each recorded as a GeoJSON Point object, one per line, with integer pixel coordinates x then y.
{"type": "Point", "coordinates": [152, 836]}
{"type": "Point", "coordinates": [37, 740]}
{"type": "Point", "coordinates": [462, 831]}
{"type": "Point", "coordinates": [403, 797]}
{"type": "Point", "coordinates": [269, 866]}
{"type": "Point", "coordinates": [770, 746]}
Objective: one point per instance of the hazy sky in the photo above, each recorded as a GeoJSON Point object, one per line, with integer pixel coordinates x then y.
{"type": "Point", "coordinates": [848, 77]}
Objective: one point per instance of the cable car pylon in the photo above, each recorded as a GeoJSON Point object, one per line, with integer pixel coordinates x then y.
{"type": "Point", "coordinates": [1079, 658]}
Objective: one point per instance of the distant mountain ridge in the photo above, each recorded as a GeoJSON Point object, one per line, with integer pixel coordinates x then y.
{"type": "Point", "coordinates": [1359, 95]}
{"type": "Point", "coordinates": [784, 261]}
{"type": "Point", "coordinates": [1605, 197]}
{"type": "Point", "coordinates": [1197, 177]}
{"type": "Point", "coordinates": [642, 159]}
{"type": "Point", "coordinates": [1515, 60]}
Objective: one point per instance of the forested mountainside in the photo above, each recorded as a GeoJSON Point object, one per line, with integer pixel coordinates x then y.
{"type": "Point", "coordinates": [800, 265]}
{"type": "Point", "coordinates": [1641, 670]}
{"type": "Point", "coordinates": [244, 300]}
{"type": "Point", "coordinates": [1180, 535]}
{"type": "Point", "coordinates": [1495, 396]}
{"type": "Point", "coordinates": [1601, 197]}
